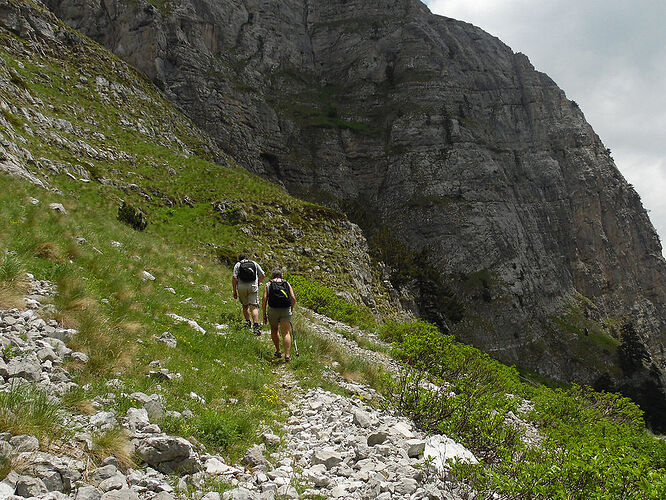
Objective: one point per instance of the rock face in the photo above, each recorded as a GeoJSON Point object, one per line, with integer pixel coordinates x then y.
{"type": "Point", "coordinates": [437, 130]}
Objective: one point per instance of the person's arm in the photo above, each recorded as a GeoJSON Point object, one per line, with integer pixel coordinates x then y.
{"type": "Point", "coordinates": [264, 300]}
{"type": "Point", "coordinates": [260, 273]}
{"type": "Point", "coordinates": [293, 296]}
{"type": "Point", "coordinates": [234, 283]}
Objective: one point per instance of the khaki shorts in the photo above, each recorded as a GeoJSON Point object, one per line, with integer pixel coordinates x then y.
{"type": "Point", "coordinates": [248, 293]}
{"type": "Point", "coordinates": [278, 314]}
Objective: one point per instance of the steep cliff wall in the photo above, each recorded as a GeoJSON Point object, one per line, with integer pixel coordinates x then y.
{"type": "Point", "coordinates": [438, 131]}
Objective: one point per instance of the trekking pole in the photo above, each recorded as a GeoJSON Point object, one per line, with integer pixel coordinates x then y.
{"type": "Point", "coordinates": [293, 338]}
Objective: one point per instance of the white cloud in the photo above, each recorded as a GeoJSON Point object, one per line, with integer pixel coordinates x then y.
{"type": "Point", "coordinates": [607, 55]}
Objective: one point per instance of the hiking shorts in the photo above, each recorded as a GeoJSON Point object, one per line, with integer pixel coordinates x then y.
{"type": "Point", "coordinates": [248, 293]}
{"type": "Point", "coordinates": [278, 314]}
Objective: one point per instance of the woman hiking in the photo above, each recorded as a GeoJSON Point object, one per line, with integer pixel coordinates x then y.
{"type": "Point", "coordinates": [280, 299]}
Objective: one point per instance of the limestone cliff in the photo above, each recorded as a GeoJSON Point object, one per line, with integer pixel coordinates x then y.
{"type": "Point", "coordinates": [436, 130]}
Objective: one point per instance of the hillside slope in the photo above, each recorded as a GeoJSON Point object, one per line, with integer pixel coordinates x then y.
{"type": "Point", "coordinates": [436, 130]}
{"type": "Point", "coordinates": [76, 120]}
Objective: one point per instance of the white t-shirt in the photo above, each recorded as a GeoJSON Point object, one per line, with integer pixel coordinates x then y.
{"type": "Point", "coordinates": [260, 271]}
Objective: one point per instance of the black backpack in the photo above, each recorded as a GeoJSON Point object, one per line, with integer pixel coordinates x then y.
{"type": "Point", "coordinates": [278, 294]}
{"type": "Point", "coordinates": [247, 271]}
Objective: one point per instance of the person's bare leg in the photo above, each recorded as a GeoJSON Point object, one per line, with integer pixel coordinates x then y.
{"type": "Point", "coordinates": [255, 313]}
{"type": "Point", "coordinates": [275, 337]}
{"type": "Point", "coordinates": [285, 328]}
{"type": "Point", "coordinates": [246, 312]}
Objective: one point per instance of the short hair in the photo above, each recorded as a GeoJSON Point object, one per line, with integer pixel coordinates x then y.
{"type": "Point", "coordinates": [242, 257]}
{"type": "Point", "coordinates": [277, 273]}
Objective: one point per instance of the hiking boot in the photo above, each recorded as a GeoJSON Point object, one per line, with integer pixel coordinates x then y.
{"type": "Point", "coordinates": [277, 355]}
{"type": "Point", "coordinates": [257, 329]}
{"type": "Point", "coordinates": [248, 324]}
{"type": "Point", "coordinates": [287, 359]}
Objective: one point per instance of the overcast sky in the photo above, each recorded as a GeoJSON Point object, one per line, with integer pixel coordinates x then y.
{"type": "Point", "coordinates": [607, 55]}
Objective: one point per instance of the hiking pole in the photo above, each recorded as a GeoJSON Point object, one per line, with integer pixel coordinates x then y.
{"type": "Point", "coordinates": [293, 338]}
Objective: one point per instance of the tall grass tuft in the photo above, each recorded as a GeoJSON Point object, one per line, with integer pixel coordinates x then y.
{"type": "Point", "coordinates": [113, 442]}
{"type": "Point", "coordinates": [25, 410]}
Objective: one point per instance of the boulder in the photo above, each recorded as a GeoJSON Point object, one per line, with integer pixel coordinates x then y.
{"type": "Point", "coordinates": [124, 494]}
{"type": "Point", "coordinates": [329, 457]}
{"type": "Point", "coordinates": [362, 419]}
{"type": "Point", "coordinates": [255, 456]}
{"type": "Point", "coordinates": [88, 493]}
{"type": "Point", "coordinates": [24, 443]}
{"type": "Point", "coordinates": [377, 438]}
{"type": "Point", "coordinates": [168, 454]}
{"type": "Point", "coordinates": [27, 486]}
{"type": "Point", "coordinates": [441, 448]}
{"type": "Point", "coordinates": [137, 418]}
{"type": "Point", "coordinates": [415, 448]}
{"type": "Point", "coordinates": [28, 368]}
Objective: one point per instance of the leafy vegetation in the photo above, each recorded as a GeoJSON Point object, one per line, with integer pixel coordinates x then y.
{"type": "Point", "coordinates": [323, 300]}
{"type": "Point", "coordinates": [592, 444]}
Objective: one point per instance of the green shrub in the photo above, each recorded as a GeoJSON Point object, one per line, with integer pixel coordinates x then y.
{"type": "Point", "coordinates": [132, 216]}
{"type": "Point", "coordinates": [324, 301]}
{"type": "Point", "coordinates": [594, 444]}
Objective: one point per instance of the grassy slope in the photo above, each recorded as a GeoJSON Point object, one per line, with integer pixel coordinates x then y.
{"type": "Point", "coordinates": [119, 129]}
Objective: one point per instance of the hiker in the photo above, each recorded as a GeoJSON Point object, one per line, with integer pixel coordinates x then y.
{"type": "Point", "coordinates": [280, 298]}
{"type": "Point", "coordinates": [246, 279]}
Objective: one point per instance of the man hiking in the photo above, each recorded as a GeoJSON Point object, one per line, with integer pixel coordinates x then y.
{"type": "Point", "coordinates": [246, 278]}
{"type": "Point", "coordinates": [280, 298]}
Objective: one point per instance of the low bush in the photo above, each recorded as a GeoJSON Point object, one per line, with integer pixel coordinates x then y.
{"type": "Point", "coordinates": [132, 216]}
{"type": "Point", "coordinates": [324, 301]}
{"type": "Point", "coordinates": [593, 444]}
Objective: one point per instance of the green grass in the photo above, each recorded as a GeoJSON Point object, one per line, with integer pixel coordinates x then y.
{"type": "Point", "coordinates": [25, 410]}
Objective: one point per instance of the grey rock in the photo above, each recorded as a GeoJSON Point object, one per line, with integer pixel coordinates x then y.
{"type": "Point", "coordinates": [104, 420]}
{"type": "Point", "coordinates": [362, 419]}
{"type": "Point", "coordinates": [168, 454]}
{"type": "Point", "coordinates": [415, 448]}
{"type": "Point", "coordinates": [24, 443]}
{"type": "Point", "coordinates": [58, 207]}
{"type": "Point", "coordinates": [168, 339]}
{"type": "Point", "coordinates": [102, 473]}
{"type": "Point", "coordinates": [124, 494]}
{"type": "Point", "coordinates": [27, 367]}
{"type": "Point", "coordinates": [240, 494]}
{"type": "Point", "coordinates": [377, 438]}
{"type": "Point", "coordinates": [255, 456]}
{"type": "Point", "coordinates": [406, 486]}
{"type": "Point", "coordinates": [213, 495]}
{"type": "Point", "coordinates": [27, 486]}
{"type": "Point", "coordinates": [154, 409]}
{"type": "Point", "coordinates": [116, 482]}
{"type": "Point", "coordinates": [328, 457]}
{"type": "Point", "coordinates": [137, 418]}
{"type": "Point", "coordinates": [164, 495]}
{"type": "Point", "coordinates": [6, 449]}
{"type": "Point", "coordinates": [270, 439]}
{"type": "Point", "coordinates": [88, 493]}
